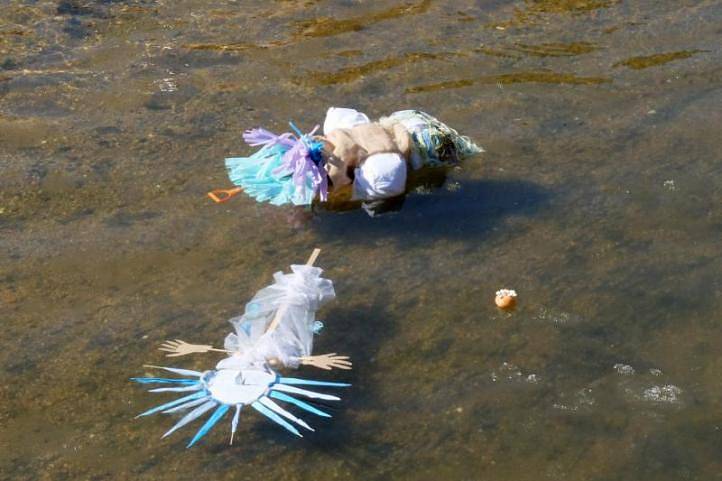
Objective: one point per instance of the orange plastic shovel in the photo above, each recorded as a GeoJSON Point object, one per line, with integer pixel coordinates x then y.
{"type": "Point", "coordinates": [223, 195]}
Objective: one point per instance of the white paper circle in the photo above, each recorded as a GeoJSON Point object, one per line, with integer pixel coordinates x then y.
{"type": "Point", "coordinates": [234, 386]}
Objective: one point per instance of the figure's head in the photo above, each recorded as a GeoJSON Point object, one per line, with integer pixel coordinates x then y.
{"type": "Point", "coordinates": [381, 176]}
{"type": "Point", "coordinates": [336, 168]}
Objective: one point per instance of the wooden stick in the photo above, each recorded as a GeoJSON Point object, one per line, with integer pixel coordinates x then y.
{"type": "Point", "coordinates": [314, 255]}
{"type": "Point", "coordinates": [284, 307]}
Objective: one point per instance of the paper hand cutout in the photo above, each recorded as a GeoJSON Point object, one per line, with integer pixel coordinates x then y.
{"type": "Point", "coordinates": [181, 348]}
{"type": "Point", "coordinates": [327, 361]}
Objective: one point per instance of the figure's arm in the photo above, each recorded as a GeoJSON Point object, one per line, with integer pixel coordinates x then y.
{"type": "Point", "coordinates": [181, 348]}
{"type": "Point", "coordinates": [327, 361]}
{"type": "Point", "coordinates": [403, 140]}
{"type": "Point", "coordinates": [323, 361]}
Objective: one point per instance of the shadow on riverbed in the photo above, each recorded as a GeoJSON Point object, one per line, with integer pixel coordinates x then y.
{"type": "Point", "coordinates": [468, 212]}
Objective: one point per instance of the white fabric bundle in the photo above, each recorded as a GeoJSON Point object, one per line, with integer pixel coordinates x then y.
{"type": "Point", "coordinates": [343, 118]}
{"type": "Point", "coordinates": [302, 293]}
{"type": "Point", "coordinates": [381, 176]}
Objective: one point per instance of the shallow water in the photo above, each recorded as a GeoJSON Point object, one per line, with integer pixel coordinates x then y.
{"type": "Point", "coordinates": [598, 200]}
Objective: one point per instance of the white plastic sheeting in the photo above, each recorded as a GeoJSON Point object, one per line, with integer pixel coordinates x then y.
{"type": "Point", "coordinates": [343, 118]}
{"type": "Point", "coordinates": [299, 294]}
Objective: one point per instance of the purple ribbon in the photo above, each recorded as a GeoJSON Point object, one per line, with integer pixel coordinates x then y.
{"type": "Point", "coordinates": [256, 137]}
{"type": "Point", "coordinates": [296, 160]}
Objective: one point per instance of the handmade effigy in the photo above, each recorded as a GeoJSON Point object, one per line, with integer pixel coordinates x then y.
{"type": "Point", "coordinates": [276, 331]}
{"type": "Point", "coordinates": [373, 159]}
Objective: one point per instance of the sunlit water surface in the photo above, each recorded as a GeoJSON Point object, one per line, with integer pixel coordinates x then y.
{"type": "Point", "coordinates": [598, 200]}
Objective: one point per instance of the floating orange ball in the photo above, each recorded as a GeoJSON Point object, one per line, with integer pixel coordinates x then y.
{"type": "Point", "coordinates": [505, 298]}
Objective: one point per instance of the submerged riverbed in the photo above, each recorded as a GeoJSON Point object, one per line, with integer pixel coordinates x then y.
{"type": "Point", "coordinates": [598, 200]}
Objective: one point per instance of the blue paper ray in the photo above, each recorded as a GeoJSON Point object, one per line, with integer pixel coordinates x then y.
{"type": "Point", "coordinates": [304, 392]}
{"type": "Point", "coordinates": [309, 382]}
{"type": "Point", "coordinates": [197, 395]}
{"type": "Point", "coordinates": [187, 405]}
{"type": "Point", "coordinates": [161, 380]}
{"type": "Point", "coordinates": [234, 423]}
{"type": "Point", "coordinates": [274, 417]}
{"type": "Point", "coordinates": [279, 410]}
{"type": "Point", "coordinates": [190, 387]}
{"type": "Point", "coordinates": [215, 417]}
{"type": "Point", "coordinates": [303, 405]}
{"type": "Point", "coordinates": [192, 416]}
{"type": "Point", "coordinates": [182, 372]}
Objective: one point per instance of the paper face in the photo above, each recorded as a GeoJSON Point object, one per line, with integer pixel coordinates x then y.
{"type": "Point", "coordinates": [234, 386]}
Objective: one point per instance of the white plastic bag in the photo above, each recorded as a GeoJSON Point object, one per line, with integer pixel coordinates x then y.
{"type": "Point", "coordinates": [343, 118]}
{"type": "Point", "coordinates": [300, 294]}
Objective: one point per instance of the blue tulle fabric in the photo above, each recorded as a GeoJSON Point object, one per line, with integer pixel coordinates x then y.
{"type": "Point", "coordinates": [261, 176]}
